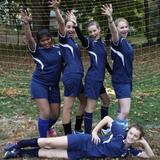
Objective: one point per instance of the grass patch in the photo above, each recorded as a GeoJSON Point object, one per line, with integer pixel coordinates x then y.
{"type": "Point", "coordinates": [19, 113]}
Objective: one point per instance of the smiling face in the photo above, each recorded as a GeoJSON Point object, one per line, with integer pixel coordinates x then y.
{"type": "Point", "coordinates": [123, 28]}
{"type": "Point", "coordinates": [133, 135]}
{"type": "Point", "coordinates": [94, 31]}
{"type": "Point", "coordinates": [70, 28]}
{"type": "Point", "coordinates": [45, 41]}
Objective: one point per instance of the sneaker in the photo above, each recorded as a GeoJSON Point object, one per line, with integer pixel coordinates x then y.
{"type": "Point", "coordinates": [15, 153]}
{"type": "Point", "coordinates": [10, 146]}
{"type": "Point", "coordinates": [52, 132]}
{"type": "Point", "coordinates": [106, 131]}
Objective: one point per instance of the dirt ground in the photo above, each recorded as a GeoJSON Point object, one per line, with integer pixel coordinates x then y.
{"type": "Point", "coordinates": [21, 127]}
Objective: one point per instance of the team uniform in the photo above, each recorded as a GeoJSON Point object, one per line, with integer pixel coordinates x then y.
{"type": "Point", "coordinates": [46, 77]}
{"type": "Point", "coordinates": [110, 146]}
{"type": "Point", "coordinates": [122, 55]}
{"type": "Point", "coordinates": [73, 71]}
{"type": "Point", "coordinates": [96, 72]}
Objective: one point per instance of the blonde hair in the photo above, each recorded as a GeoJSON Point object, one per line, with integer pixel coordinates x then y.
{"type": "Point", "coordinates": [118, 20]}
{"type": "Point", "coordinates": [93, 22]}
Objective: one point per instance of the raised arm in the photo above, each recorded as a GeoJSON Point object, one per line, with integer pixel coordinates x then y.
{"type": "Point", "coordinates": [54, 4]}
{"type": "Point", "coordinates": [107, 10]}
{"type": "Point", "coordinates": [147, 152]}
{"type": "Point", "coordinates": [72, 17]}
{"type": "Point", "coordinates": [30, 40]}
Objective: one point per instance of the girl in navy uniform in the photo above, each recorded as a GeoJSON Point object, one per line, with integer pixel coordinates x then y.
{"type": "Point", "coordinates": [45, 79]}
{"type": "Point", "coordinates": [73, 70]}
{"type": "Point", "coordinates": [94, 78]}
{"type": "Point", "coordinates": [77, 146]}
{"type": "Point", "coordinates": [122, 55]}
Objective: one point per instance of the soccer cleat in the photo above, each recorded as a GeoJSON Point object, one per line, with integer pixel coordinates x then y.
{"type": "Point", "coordinates": [10, 146]}
{"type": "Point", "coordinates": [52, 132]}
{"type": "Point", "coordinates": [15, 153]}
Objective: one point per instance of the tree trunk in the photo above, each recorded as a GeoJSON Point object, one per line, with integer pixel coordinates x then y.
{"type": "Point", "coordinates": [40, 15]}
{"type": "Point", "coordinates": [158, 22]}
{"type": "Point", "coordinates": [146, 19]}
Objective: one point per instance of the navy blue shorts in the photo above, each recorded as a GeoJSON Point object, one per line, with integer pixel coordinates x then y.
{"type": "Point", "coordinates": [72, 86]}
{"type": "Point", "coordinates": [52, 93]}
{"type": "Point", "coordinates": [80, 146]}
{"type": "Point", "coordinates": [77, 145]}
{"type": "Point", "coordinates": [92, 89]}
{"type": "Point", "coordinates": [122, 90]}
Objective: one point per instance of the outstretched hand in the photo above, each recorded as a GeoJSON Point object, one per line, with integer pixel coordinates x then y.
{"type": "Point", "coordinates": [107, 10]}
{"type": "Point", "coordinates": [24, 17]}
{"type": "Point", "coordinates": [54, 4]}
{"type": "Point", "coordinates": [70, 16]}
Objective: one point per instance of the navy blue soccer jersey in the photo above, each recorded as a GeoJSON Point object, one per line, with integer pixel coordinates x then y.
{"type": "Point", "coordinates": [71, 55]}
{"type": "Point", "coordinates": [122, 55]}
{"type": "Point", "coordinates": [110, 146]}
{"type": "Point", "coordinates": [97, 53]}
{"type": "Point", "coordinates": [48, 65]}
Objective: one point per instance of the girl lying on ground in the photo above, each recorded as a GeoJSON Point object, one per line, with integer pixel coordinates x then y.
{"type": "Point", "coordinates": [75, 146]}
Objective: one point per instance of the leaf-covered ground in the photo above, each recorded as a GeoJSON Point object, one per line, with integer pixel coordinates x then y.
{"type": "Point", "coordinates": [19, 127]}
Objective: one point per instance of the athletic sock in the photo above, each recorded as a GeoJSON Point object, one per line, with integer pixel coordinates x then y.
{"type": "Point", "coordinates": [104, 112]}
{"type": "Point", "coordinates": [29, 152]}
{"type": "Point", "coordinates": [28, 143]}
{"type": "Point", "coordinates": [123, 123]}
{"type": "Point", "coordinates": [51, 122]}
{"type": "Point", "coordinates": [88, 118]}
{"type": "Point", "coordinates": [43, 127]}
{"type": "Point", "coordinates": [67, 128]}
{"type": "Point", "coordinates": [78, 124]}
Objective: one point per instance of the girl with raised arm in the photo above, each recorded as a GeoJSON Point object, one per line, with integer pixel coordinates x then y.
{"type": "Point", "coordinates": [95, 75]}
{"type": "Point", "coordinates": [46, 76]}
{"type": "Point", "coordinates": [122, 55]}
{"type": "Point", "coordinates": [73, 70]}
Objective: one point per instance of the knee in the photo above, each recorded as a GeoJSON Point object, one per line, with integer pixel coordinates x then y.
{"type": "Point", "coordinates": [106, 101]}
{"type": "Point", "coordinates": [45, 114]}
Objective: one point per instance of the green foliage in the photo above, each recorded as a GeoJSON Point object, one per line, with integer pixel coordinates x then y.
{"type": "Point", "coordinates": [9, 13]}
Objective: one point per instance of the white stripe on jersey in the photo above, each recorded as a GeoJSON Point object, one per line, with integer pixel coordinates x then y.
{"type": "Point", "coordinates": [68, 46]}
{"type": "Point", "coordinates": [107, 141]}
{"type": "Point", "coordinates": [94, 54]}
{"type": "Point", "coordinates": [119, 54]}
{"type": "Point", "coordinates": [39, 61]}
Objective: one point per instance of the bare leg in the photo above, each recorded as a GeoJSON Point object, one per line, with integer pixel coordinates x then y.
{"type": "Point", "coordinates": [81, 108]}
{"type": "Point", "coordinates": [53, 153]}
{"type": "Point", "coordinates": [44, 107]}
{"type": "Point", "coordinates": [68, 103]}
{"type": "Point", "coordinates": [91, 104]}
{"type": "Point", "coordinates": [105, 99]}
{"type": "Point", "coordinates": [55, 110]}
{"type": "Point", "coordinates": [124, 108]}
{"type": "Point", "coordinates": [54, 142]}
